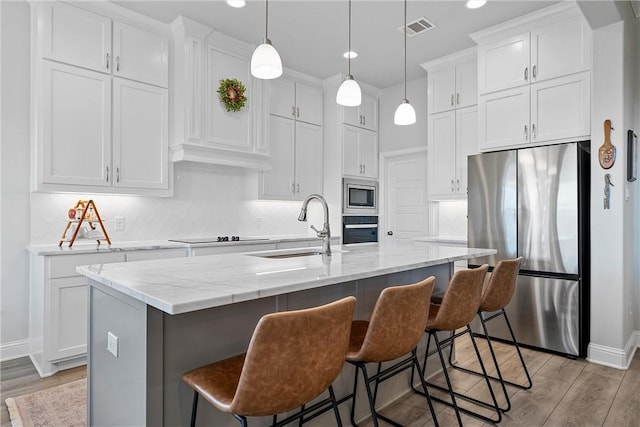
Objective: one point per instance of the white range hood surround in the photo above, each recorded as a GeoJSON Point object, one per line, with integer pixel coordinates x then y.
{"type": "Point", "coordinates": [203, 131]}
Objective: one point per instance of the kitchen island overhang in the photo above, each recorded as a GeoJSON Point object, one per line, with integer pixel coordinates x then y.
{"type": "Point", "coordinates": [170, 316]}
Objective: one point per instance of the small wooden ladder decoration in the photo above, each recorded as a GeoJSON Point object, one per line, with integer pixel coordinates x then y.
{"type": "Point", "coordinates": [88, 212]}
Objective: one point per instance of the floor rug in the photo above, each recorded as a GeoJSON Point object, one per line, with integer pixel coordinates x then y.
{"type": "Point", "coordinates": [61, 406]}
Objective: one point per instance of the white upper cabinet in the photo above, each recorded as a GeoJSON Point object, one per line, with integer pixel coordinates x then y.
{"type": "Point", "coordinates": [140, 153]}
{"type": "Point", "coordinates": [359, 152]}
{"type": "Point", "coordinates": [365, 115]}
{"type": "Point", "coordinates": [75, 36]}
{"type": "Point", "coordinates": [453, 135]}
{"type": "Point", "coordinates": [74, 137]}
{"type": "Point", "coordinates": [295, 99]}
{"type": "Point", "coordinates": [535, 86]}
{"type": "Point", "coordinates": [558, 44]}
{"type": "Point", "coordinates": [452, 81]}
{"type": "Point", "coordinates": [96, 132]}
{"type": "Point", "coordinates": [140, 55]}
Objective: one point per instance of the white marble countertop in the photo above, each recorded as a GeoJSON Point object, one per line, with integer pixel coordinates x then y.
{"type": "Point", "coordinates": [442, 239]}
{"type": "Point", "coordinates": [85, 246]}
{"type": "Point", "coordinates": [181, 285]}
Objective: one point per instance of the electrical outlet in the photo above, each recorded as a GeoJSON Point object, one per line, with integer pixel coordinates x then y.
{"type": "Point", "coordinates": [119, 223]}
{"type": "Point", "coordinates": [112, 344]}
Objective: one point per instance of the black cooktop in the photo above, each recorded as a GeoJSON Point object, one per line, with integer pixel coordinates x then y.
{"type": "Point", "coordinates": [216, 239]}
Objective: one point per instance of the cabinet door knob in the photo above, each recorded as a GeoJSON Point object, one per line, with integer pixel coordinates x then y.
{"type": "Point", "coordinates": [107, 60]}
{"type": "Point", "coordinates": [526, 74]}
{"type": "Point", "coordinates": [389, 233]}
{"type": "Point", "coordinates": [526, 132]}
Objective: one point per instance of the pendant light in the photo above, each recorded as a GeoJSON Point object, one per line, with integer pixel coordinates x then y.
{"type": "Point", "coordinates": [349, 93]}
{"type": "Point", "coordinates": [265, 61]}
{"type": "Point", "coordinates": [405, 114]}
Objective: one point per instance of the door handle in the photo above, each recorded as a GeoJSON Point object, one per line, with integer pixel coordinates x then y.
{"type": "Point", "coordinates": [389, 233]}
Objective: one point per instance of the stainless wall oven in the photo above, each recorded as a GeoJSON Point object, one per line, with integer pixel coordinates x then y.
{"type": "Point", "coordinates": [359, 229]}
{"type": "Point", "coordinates": [360, 197]}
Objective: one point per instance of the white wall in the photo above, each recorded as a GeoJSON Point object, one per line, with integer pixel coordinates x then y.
{"type": "Point", "coordinates": [392, 137]}
{"type": "Point", "coordinates": [14, 177]}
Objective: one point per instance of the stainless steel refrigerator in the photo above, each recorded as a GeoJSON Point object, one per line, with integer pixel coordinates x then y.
{"type": "Point", "coordinates": [534, 203]}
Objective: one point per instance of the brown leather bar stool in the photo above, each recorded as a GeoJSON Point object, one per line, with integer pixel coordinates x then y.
{"type": "Point", "coordinates": [293, 357]}
{"type": "Point", "coordinates": [496, 295]}
{"type": "Point", "coordinates": [394, 330]}
{"type": "Point", "coordinates": [459, 306]}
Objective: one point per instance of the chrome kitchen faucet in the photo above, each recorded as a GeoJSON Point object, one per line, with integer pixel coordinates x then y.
{"type": "Point", "coordinates": [325, 233]}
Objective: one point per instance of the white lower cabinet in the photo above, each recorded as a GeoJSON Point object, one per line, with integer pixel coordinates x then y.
{"type": "Point", "coordinates": [58, 305]}
{"type": "Point", "coordinates": [554, 110]}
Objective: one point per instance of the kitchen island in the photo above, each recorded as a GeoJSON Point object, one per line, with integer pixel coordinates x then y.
{"type": "Point", "coordinates": [150, 321]}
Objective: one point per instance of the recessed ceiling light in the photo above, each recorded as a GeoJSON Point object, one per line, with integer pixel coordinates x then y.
{"type": "Point", "coordinates": [351, 54]}
{"type": "Point", "coordinates": [474, 4]}
{"type": "Point", "coordinates": [236, 3]}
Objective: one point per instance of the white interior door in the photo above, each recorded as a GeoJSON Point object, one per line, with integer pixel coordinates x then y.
{"type": "Point", "coordinates": [406, 209]}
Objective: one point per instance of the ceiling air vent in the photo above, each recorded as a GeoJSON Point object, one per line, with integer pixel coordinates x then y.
{"type": "Point", "coordinates": [418, 26]}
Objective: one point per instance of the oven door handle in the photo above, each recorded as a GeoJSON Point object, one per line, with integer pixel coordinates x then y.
{"type": "Point", "coordinates": [361, 226]}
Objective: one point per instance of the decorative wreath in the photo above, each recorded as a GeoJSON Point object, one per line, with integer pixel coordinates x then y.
{"type": "Point", "coordinates": [231, 93]}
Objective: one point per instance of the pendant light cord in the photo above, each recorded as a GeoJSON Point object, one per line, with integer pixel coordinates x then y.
{"type": "Point", "coordinates": [349, 52]}
{"type": "Point", "coordinates": [266, 20]}
{"type": "Point", "coordinates": [405, 49]}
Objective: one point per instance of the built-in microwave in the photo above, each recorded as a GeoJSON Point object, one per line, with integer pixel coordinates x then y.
{"type": "Point", "coordinates": [360, 197]}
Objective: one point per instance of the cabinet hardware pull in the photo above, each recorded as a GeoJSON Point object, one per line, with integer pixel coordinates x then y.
{"type": "Point", "coordinates": [458, 99]}
{"type": "Point", "coordinates": [533, 131]}
{"type": "Point", "coordinates": [452, 100]}
{"type": "Point", "coordinates": [107, 173]}
{"type": "Point", "coordinates": [534, 71]}
{"type": "Point", "coordinates": [298, 188]}
{"type": "Point", "coordinates": [107, 60]}
{"type": "Point", "coordinates": [452, 187]}
{"type": "Point", "coordinates": [293, 111]}
{"type": "Point", "coordinates": [526, 74]}
{"type": "Point", "coordinates": [293, 187]}
{"type": "Point", "coordinates": [526, 132]}
{"type": "Point", "coordinates": [457, 185]}
{"type": "Point", "coordinates": [364, 120]}
{"type": "Point", "coordinates": [360, 119]}
{"type": "Point", "coordinates": [118, 63]}
{"type": "Point", "coordinates": [364, 168]}
{"type": "Point", "coordinates": [117, 175]}
{"type": "Point", "coordinates": [298, 112]}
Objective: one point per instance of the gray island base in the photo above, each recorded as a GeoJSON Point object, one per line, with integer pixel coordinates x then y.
{"type": "Point", "coordinates": [150, 321]}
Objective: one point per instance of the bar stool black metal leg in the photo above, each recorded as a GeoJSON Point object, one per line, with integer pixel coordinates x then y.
{"type": "Point", "coordinates": [424, 386]}
{"type": "Point", "coordinates": [353, 400]}
{"type": "Point", "coordinates": [486, 377]}
{"type": "Point", "coordinates": [194, 409]}
{"type": "Point", "coordinates": [495, 362]}
{"type": "Point", "coordinates": [372, 405]}
{"type": "Point", "coordinates": [335, 407]}
{"type": "Point", "coordinates": [446, 376]}
{"type": "Point", "coordinates": [524, 366]}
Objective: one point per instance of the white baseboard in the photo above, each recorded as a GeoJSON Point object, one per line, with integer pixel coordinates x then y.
{"type": "Point", "coordinates": [614, 357]}
{"type": "Point", "coordinates": [14, 350]}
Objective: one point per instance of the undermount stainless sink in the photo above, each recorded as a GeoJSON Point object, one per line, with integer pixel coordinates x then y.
{"type": "Point", "coordinates": [289, 254]}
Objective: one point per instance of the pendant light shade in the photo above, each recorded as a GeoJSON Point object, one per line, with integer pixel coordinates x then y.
{"type": "Point", "coordinates": [349, 93]}
{"type": "Point", "coordinates": [265, 61]}
{"type": "Point", "coordinates": [405, 114]}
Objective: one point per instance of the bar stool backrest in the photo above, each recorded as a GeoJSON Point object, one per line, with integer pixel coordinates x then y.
{"type": "Point", "coordinates": [293, 357]}
{"type": "Point", "coordinates": [397, 322]}
{"type": "Point", "coordinates": [501, 285]}
{"type": "Point", "coordinates": [461, 299]}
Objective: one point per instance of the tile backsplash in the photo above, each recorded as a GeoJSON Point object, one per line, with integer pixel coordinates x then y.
{"type": "Point", "coordinates": [208, 201]}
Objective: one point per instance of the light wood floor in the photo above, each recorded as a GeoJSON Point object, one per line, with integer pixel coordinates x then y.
{"type": "Point", "coordinates": [565, 392]}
